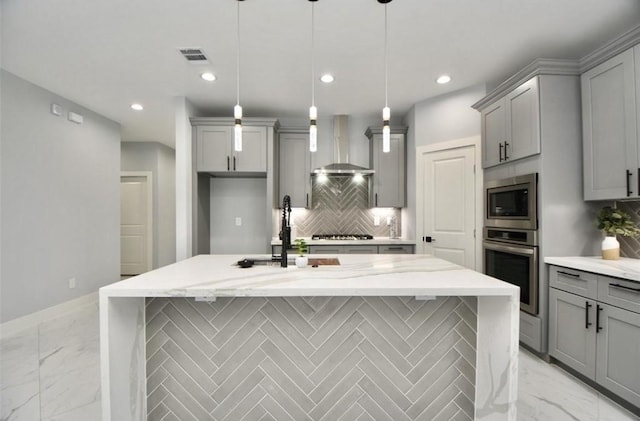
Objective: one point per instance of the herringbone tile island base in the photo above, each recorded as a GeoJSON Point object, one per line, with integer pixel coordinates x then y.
{"type": "Point", "coordinates": [311, 358]}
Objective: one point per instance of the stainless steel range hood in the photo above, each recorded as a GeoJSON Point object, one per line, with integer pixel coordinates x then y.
{"type": "Point", "coordinates": [341, 164]}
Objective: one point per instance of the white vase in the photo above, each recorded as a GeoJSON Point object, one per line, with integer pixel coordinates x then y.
{"type": "Point", "coordinates": [610, 248]}
{"type": "Point", "coordinates": [302, 261]}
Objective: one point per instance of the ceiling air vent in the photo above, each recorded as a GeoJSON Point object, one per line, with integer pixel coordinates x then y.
{"type": "Point", "coordinates": [194, 55]}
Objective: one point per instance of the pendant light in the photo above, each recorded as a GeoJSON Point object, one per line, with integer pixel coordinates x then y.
{"type": "Point", "coordinates": [386, 111]}
{"type": "Point", "coordinates": [237, 110]}
{"type": "Point", "coordinates": [313, 111]}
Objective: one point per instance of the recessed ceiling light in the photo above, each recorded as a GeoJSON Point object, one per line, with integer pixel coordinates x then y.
{"type": "Point", "coordinates": [208, 76]}
{"type": "Point", "coordinates": [327, 78]}
{"type": "Point", "coordinates": [137, 107]}
{"type": "Point", "coordinates": [443, 79]}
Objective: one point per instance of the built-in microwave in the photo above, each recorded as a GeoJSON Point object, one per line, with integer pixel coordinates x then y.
{"type": "Point", "coordinates": [512, 202]}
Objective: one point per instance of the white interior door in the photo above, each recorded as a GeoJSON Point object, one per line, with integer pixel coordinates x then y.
{"type": "Point", "coordinates": [134, 225]}
{"type": "Point", "coordinates": [448, 208]}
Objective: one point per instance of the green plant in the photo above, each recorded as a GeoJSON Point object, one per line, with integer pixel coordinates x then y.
{"type": "Point", "coordinates": [615, 221]}
{"type": "Point", "coordinates": [301, 245]}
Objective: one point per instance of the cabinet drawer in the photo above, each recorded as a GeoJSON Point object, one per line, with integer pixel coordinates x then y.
{"type": "Point", "coordinates": [360, 250]}
{"type": "Point", "coordinates": [389, 249]}
{"type": "Point", "coordinates": [619, 292]}
{"type": "Point", "coordinates": [574, 281]}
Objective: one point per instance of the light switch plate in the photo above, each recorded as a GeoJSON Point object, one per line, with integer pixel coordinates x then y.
{"type": "Point", "coordinates": [75, 118]}
{"type": "Point", "coordinates": [238, 221]}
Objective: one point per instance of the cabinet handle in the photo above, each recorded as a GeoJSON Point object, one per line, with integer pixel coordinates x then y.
{"type": "Point", "coordinates": [228, 167]}
{"type": "Point", "coordinates": [569, 274]}
{"type": "Point", "coordinates": [307, 200]}
{"type": "Point", "coordinates": [629, 192]}
{"type": "Point", "coordinates": [598, 310]}
{"type": "Point", "coordinates": [500, 152]}
{"type": "Point", "coordinates": [395, 248]}
{"type": "Point", "coordinates": [376, 200]}
{"type": "Point", "coordinates": [587, 306]}
{"type": "Point", "coordinates": [234, 163]}
{"type": "Point", "coordinates": [505, 150]}
{"type": "Point", "coordinates": [625, 287]}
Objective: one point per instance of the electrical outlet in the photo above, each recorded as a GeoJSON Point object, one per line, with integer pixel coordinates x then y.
{"type": "Point", "coordinates": [238, 221]}
{"type": "Point", "coordinates": [376, 220]}
{"type": "Point", "coordinates": [72, 283]}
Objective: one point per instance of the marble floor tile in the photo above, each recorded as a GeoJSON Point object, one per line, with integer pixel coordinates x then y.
{"type": "Point", "coordinates": [19, 382]}
{"type": "Point", "coordinates": [84, 413]}
{"type": "Point", "coordinates": [546, 392]}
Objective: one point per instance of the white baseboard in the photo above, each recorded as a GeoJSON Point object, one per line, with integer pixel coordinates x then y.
{"type": "Point", "coordinates": [20, 324]}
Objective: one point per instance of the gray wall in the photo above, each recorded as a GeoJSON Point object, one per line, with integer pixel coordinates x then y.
{"type": "Point", "coordinates": [244, 198]}
{"type": "Point", "coordinates": [161, 161]}
{"type": "Point", "coordinates": [439, 119]}
{"type": "Point", "coordinates": [60, 200]}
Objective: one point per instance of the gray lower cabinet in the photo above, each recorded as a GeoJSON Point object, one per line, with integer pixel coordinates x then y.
{"type": "Point", "coordinates": [572, 334]}
{"type": "Point", "coordinates": [394, 249]}
{"type": "Point", "coordinates": [594, 328]}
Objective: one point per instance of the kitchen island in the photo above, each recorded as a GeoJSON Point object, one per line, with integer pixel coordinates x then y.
{"type": "Point", "coordinates": [404, 337]}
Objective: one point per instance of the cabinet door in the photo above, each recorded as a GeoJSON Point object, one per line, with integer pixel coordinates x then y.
{"type": "Point", "coordinates": [619, 352]}
{"type": "Point", "coordinates": [389, 179]}
{"type": "Point", "coordinates": [493, 133]}
{"type": "Point", "coordinates": [295, 169]}
{"type": "Point", "coordinates": [523, 121]}
{"type": "Point", "coordinates": [572, 337]}
{"type": "Point", "coordinates": [609, 129]}
{"type": "Point", "coordinates": [213, 148]}
{"type": "Point", "coordinates": [253, 157]}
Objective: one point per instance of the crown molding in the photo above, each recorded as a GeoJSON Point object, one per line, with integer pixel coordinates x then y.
{"type": "Point", "coordinates": [541, 66]}
{"type": "Point", "coordinates": [610, 49]}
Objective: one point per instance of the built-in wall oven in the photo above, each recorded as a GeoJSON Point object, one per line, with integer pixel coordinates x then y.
{"type": "Point", "coordinates": [510, 245]}
{"type": "Point", "coordinates": [512, 256]}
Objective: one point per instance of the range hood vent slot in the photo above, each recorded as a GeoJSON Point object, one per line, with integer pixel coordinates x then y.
{"type": "Point", "coordinates": [341, 164]}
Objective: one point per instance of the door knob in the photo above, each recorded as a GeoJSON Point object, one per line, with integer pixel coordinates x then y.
{"type": "Point", "coordinates": [428, 239]}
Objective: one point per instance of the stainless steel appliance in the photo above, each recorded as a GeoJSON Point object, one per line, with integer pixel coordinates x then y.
{"type": "Point", "coordinates": [511, 202]}
{"type": "Point", "coordinates": [342, 237]}
{"type": "Point", "coordinates": [512, 256]}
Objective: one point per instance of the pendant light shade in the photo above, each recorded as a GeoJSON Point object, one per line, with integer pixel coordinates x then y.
{"type": "Point", "coordinates": [313, 110]}
{"type": "Point", "coordinates": [237, 110]}
{"type": "Point", "coordinates": [386, 111]}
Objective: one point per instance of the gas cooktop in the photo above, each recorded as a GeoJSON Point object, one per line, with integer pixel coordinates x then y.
{"type": "Point", "coordinates": [342, 237]}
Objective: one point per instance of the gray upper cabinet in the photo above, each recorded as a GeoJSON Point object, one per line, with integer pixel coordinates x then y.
{"type": "Point", "coordinates": [389, 180]}
{"type": "Point", "coordinates": [511, 125]}
{"type": "Point", "coordinates": [295, 168]}
{"type": "Point", "coordinates": [610, 132]}
{"type": "Point", "coordinates": [215, 150]}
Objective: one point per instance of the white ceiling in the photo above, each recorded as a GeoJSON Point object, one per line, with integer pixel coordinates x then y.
{"type": "Point", "coordinates": [107, 54]}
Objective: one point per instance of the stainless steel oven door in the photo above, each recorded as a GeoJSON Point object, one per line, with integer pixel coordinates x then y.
{"type": "Point", "coordinates": [516, 264]}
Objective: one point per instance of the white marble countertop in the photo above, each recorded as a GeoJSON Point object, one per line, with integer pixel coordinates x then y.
{"type": "Point", "coordinates": [377, 241]}
{"type": "Point", "coordinates": [357, 275]}
{"type": "Point", "coordinates": [624, 268]}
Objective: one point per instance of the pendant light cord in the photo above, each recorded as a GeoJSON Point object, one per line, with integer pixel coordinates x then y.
{"type": "Point", "coordinates": [313, 77]}
{"type": "Point", "coordinates": [386, 65]}
{"type": "Point", "coordinates": [238, 55]}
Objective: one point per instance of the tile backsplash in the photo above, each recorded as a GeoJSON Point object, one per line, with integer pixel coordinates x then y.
{"type": "Point", "coordinates": [340, 205]}
{"type": "Point", "coordinates": [630, 247]}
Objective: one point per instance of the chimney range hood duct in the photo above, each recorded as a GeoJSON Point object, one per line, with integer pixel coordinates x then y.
{"type": "Point", "coordinates": [341, 165]}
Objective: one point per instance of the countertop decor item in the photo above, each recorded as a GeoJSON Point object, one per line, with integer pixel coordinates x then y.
{"type": "Point", "coordinates": [301, 259]}
{"type": "Point", "coordinates": [614, 222]}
